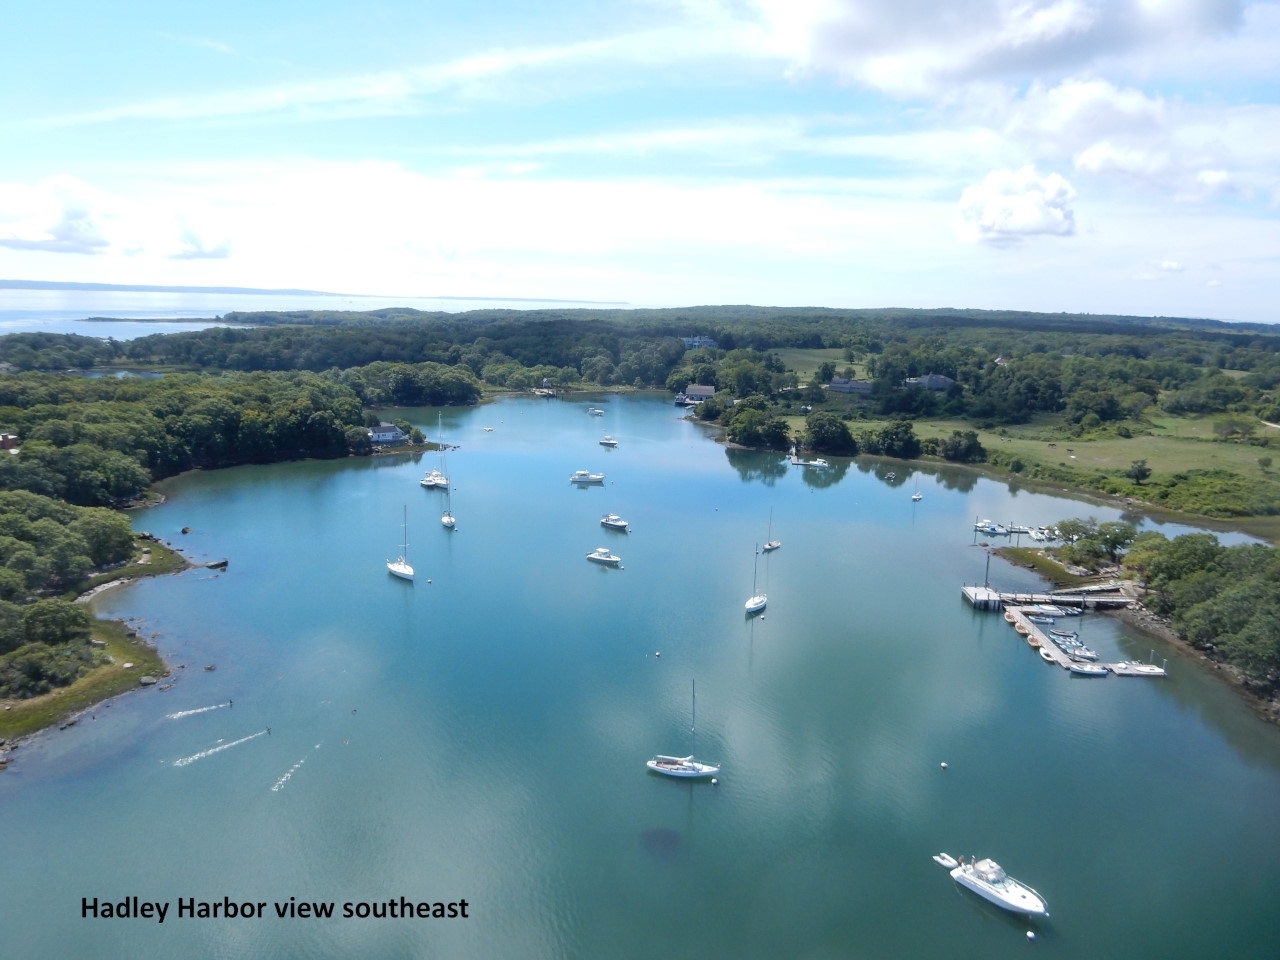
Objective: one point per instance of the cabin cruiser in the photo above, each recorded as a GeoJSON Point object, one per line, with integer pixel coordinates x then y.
{"type": "Point", "coordinates": [602, 555]}
{"type": "Point", "coordinates": [613, 522]}
{"type": "Point", "coordinates": [987, 879]}
{"type": "Point", "coordinates": [583, 476]}
{"type": "Point", "coordinates": [434, 479]}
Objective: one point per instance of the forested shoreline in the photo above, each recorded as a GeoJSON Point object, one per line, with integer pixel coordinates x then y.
{"type": "Point", "coordinates": [1013, 387]}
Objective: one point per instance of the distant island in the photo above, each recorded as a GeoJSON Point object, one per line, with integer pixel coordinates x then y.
{"type": "Point", "coordinates": [287, 292]}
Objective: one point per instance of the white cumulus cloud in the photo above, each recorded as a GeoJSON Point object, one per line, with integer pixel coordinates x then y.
{"type": "Point", "coordinates": [1012, 204]}
{"type": "Point", "coordinates": [60, 214]}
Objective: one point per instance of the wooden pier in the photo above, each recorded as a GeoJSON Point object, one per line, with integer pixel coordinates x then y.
{"type": "Point", "coordinates": [984, 598]}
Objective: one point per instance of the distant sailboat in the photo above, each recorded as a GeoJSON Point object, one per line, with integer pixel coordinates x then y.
{"type": "Point", "coordinates": [756, 602]}
{"type": "Point", "coordinates": [771, 544]}
{"type": "Point", "coordinates": [399, 567]}
{"type": "Point", "coordinates": [684, 766]}
{"type": "Point", "coordinates": [436, 477]}
{"type": "Point", "coordinates": [447, 517]}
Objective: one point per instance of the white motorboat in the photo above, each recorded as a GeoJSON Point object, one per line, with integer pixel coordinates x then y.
{"type": "Point", "coordinates": [987, 879]}
{"type": "Point", "coordinates": [488, 429]}
{"type": "Point", "coordinates": [595, 411]}
{"type": "Point", "coordinates": [584, 476]}
{"type": "Point", "coordinates": [757, 601]}
{"type": "Point", "coordinates": [614, 522]}
{"type": "Point", "coordinates": [608, 441]}
{"type": "Point", "coordinates": [1086, 669]}
{"type": "Point", "coordinates": [399, 567]}
{"type": "Point", "coordinates": [917, 496]}
{"type": "Point", "coordinates": [818, 464]}
{"type": "Point", "coordinates": [602, 555]}
{"type": "Point", "coordinates": [1081, 653]}
{"type": "Point", "coordinates": [684, 766]}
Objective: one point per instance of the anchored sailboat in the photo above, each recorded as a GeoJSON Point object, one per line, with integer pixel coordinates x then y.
{"type": "Point", "coordinates": [684, 766]}
{"type": "Point", "coordinates": [399, 567]}
{"type": "Point", "coordinates": [771, 544]}
{"type": "Point", "coordinates": [756, 602]}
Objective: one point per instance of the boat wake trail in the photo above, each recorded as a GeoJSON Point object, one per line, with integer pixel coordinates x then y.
{"type": "Point", "coordinates": [218, 749]}
{"type": "Point", "coordinates": [279, 784]}
{"type": "Point", "coordinates": [187, 713]}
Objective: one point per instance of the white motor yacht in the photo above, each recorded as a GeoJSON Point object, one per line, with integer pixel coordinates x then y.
{"type": "Point", "coordinates": [987, 879]}
{"type": "Point", "coordinates": [584, 476]}
{"type": "Point", "coordinates": [818, 464]}
{"type": "Point", "coordinates": [602, 555]}
{"type": "Point", "coordinates": [613, 522]}
{"type": "Point", "coordinates": [434, 478]}
{"type": "Point", "coordinates": [608, 441]}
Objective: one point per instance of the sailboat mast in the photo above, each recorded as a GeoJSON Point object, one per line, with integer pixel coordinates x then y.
{"type": "Point", "coordinates": [693, 722]}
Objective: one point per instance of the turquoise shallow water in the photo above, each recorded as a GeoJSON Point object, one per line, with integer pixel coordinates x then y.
{"type": "Point", "coordinates": [483, 736]}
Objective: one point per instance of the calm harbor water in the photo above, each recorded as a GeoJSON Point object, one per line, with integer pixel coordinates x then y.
{"type": "Point", "coordinates": [481, 733]}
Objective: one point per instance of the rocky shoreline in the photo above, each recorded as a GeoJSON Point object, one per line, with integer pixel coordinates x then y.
{"type": "Point", "coordinates": [1262, 698]}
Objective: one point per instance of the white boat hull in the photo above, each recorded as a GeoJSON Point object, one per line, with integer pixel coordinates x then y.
{"type": "Point", "coordinates": [1006, 892]}
{"type": "Point", "coordinates": [398, 568]}
{"type": "Point", "coordinates": [756, 603]}
{"type": "Point", "coordinates": [681, 767]}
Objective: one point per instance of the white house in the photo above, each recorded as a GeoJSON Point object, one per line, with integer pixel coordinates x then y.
{"type": "Point", "coordinates": [387, 433]}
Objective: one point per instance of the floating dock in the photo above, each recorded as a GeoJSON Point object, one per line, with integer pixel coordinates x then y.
{"type": "Point", "coordinates": [1019, 607]}
{"type": "Point", "coordinates": [1019, 617]}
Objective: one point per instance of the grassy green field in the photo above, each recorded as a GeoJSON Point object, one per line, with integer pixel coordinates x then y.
{"type": "Point", "coordinates": [1175, 446]}
{"type": "Point", "coordinates": [805, 363]}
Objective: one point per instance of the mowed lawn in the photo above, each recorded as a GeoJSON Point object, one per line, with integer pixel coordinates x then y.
{"type": "Point", "coordinates": [806, 362]}
{"type": "Point", "coordinates": [1176, 445]}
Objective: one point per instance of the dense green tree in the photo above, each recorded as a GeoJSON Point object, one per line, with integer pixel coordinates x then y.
{"type": "Point", "coordinates": [827, 433]}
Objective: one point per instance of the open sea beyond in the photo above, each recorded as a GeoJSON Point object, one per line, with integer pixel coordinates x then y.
{"type": "Point", "coordinates": [481, 734]}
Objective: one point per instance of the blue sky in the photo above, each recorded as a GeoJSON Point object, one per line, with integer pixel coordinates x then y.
{"type": "Point", "coordinates": [1105, 157]}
